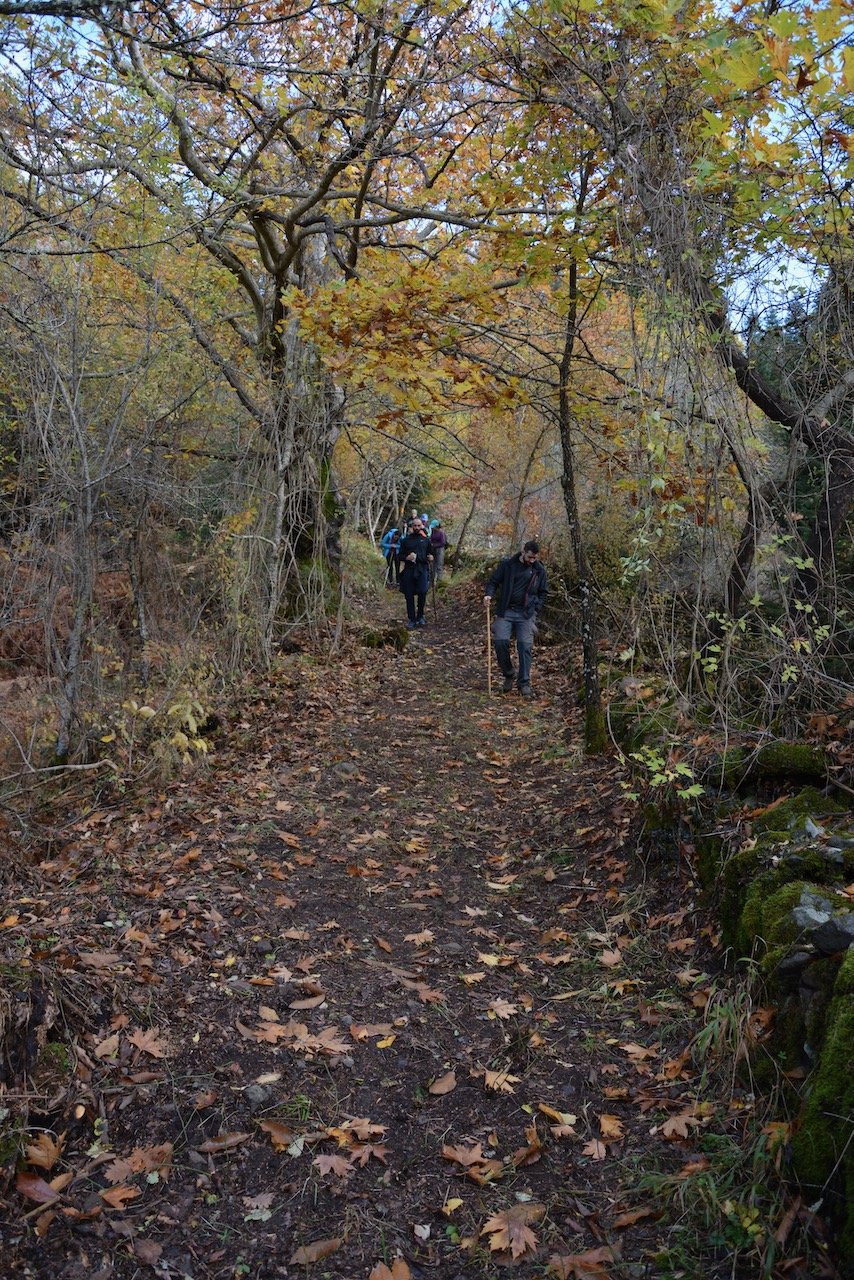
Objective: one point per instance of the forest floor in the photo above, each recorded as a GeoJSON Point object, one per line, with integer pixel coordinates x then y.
{"type": "Point", "coordinates": [384, 989]}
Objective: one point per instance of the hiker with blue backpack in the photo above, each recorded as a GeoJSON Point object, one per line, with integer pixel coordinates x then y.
{"type": "Point", "coordinates": [389, 547]}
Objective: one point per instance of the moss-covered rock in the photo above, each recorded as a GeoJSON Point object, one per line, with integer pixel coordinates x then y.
{"type": "Point", "coordinates": [738, 764]}
{"type": "Point", "coordinates": [823, 1147]}
{"type": "Point", "coordinates": [393, 636]}
{"type": "Point", "coordinates": [794, 811]}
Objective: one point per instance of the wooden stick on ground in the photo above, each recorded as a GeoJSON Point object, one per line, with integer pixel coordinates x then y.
{"type": "Point", "coordinates": [488, 648]}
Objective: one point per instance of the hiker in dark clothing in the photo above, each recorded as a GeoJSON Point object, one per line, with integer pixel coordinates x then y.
{"type": "Point", "coordinates": [438, 543]}
{"type": "Point", "coordinates": [415, 559]}
{"type": "Point", "coordinates": [522, 585]}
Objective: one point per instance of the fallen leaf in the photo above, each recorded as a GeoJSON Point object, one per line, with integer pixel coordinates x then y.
{"type": "Point", "coordinates": [362, 1154]}
{"type": "Point", "coordinates": [595, 1149]}
{"type": "Point", "coordinates": [422, 939]}
{"type": "Point", "coordinates": [589, 1265]}
{"type": "Point", "coordinates": [310, 1002]}
{"type": "Point", "coordinates": [35, 1188]}
{"type": "Point", "coordinates": [631, 1216]}
{"type": "Point", "coordinates": [503, 1008]}
{"type": "Point", "coordinates": [118, 1197]}
{"type": "Point", "coordinates": [510, 1229]}
{"type": "Point", "coordinates": [45, 1151]}
{"type": "Point", "coordinates": [308, 1253]}
{"type": "Point", "coordinates": [610, 958]}
{"type": "Point", "coordinates": [150, 1042]}
{"type": "Point", "coordinates": [333, 1164]}
{"type": "Point", "coordinates": [677, 1126]}
{"type": "Point", "coordinates": [224, 1142]}
{"type": "Point", "coordinates": [398, 1270]}
{"type": "Point", "coordinates": [444, 1084]}
{"type": "Point", "coordinates": [108, 1048]}
{"type": "Point", "coordinates": [383, 946]}
{"type": "Point", "coordinates": [611, 1126]}
{"type": "Point", "coordinates": [500, 1081]}
{"type": "Point", "coordinates": [280, 1135]}
{"type": "Point", "coordinates": [148, 1251]}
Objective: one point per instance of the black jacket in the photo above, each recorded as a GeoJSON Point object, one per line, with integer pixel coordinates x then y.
{"type": "Point", "coordinates": [415, 576]}
{"type": "Point", "coordinates": [535, 587]}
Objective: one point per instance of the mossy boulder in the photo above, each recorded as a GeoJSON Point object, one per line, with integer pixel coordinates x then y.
{"type": "Point", "coordinates": [739, 764]}
{"type": "Point", "coordinates": [392, 636]}
{"type": "Point", "coordinates": [823, 1146]}
{"type": "Point", "coordinates": [794, 811]}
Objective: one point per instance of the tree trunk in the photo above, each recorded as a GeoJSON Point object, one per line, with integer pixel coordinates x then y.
{"type": "Point", "coordinates": [458, 550]}
{"type": "Point", "coordinates": [595, 737]}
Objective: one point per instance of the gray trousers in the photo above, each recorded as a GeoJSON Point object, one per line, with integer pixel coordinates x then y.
{"type": "Point", "coordinates": [514, 624]}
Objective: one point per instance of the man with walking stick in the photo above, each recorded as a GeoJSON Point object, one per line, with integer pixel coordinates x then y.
{"type": "Point", "coordinates": [521, 583]}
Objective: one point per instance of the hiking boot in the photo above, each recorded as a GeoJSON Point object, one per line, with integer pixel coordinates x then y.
{"type": "Point", "coordinates": [526, 691]}
{"type": "Point", "coordinates": [421, 623]}
{"type": "Point", "coordinates": [410, 626]}
{"type": "Point", "coordinates": [507, 686]}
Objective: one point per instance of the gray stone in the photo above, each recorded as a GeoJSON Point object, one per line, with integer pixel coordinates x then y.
{"type": "Point", "coordinates": [256, 1095]}
{"type": "Point", "coordinates": [808, 918]}
{"type": "Point", "coordinates": [837, 934]}
{"type": "Point", "coordinates": [793, 963]}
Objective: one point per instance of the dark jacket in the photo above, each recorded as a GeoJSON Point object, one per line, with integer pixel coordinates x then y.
{"type": "Point", "coordinates": [536, 585]}
{"type": "Point", "coordinates": [414, 577]}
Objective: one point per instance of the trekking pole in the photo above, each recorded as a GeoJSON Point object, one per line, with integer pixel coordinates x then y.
{"type": "Point", "coordinates": [488, 649]}
{"type": "Point", "coordinates": [433, 591]}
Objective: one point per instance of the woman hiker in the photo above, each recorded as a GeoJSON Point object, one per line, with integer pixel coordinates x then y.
{"type": "Point", "coordinates": [438, 543]}
{"type": "Point", "coordinates": [415, 559]}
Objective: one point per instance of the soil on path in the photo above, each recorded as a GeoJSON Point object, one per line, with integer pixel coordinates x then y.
{"type": "Point", "coordinates": [389, 981]}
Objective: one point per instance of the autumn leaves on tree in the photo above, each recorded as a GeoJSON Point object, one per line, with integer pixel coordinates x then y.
{"type": "Point", "coordinates": [251, 256]}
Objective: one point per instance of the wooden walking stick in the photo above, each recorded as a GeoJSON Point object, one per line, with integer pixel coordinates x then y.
{"type": "Point", "coordinates": [488, 649]}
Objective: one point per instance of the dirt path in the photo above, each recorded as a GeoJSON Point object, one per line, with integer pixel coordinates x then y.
{"type": "Point", "coordinates": [389, 977]}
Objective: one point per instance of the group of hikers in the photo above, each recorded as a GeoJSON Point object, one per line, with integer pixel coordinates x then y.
{"type": "Point", "coordinates": [414, 553]}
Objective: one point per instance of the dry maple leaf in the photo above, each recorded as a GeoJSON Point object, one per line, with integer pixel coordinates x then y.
{"type": "Point", "coordinates": [500, 1081]}
{"type": "Point", "coordinates": [595, 1149]}
{"type": "Point", "coordinates": [422, 939]}
{"type": "Point", "coordinates": [45, 1151]}
{"type": "Point", "coordinates": [363, 1153]}
{"type": "Point", "coordinates": [333, 1164]}
{"type": "Point", "coordinates": [503, 1008]}
{"type": "Point", "coordinates": [510, 1230]}
{"type": "Point", "coordinates": [639, 1052]}
{"type": "Point", "coordinates": [363, 1129]}
{"type": "Point", "coordinates": [464, 1155]}
{"type": "Point", "coordinates": [313, 1252]}
{"type": "Point", "coordinates": [150, 1042]}
{"type": "Point", "coordinates": [677, 1126]}
{"type": "Point", "coordinates": [611, 1126]}
{"type": "Point", "coordinates": [118, 1197]}
{"type": "Point", "coordinates": [610, 958]}
{"type": "Point", "coordinates": [398, 1270]}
